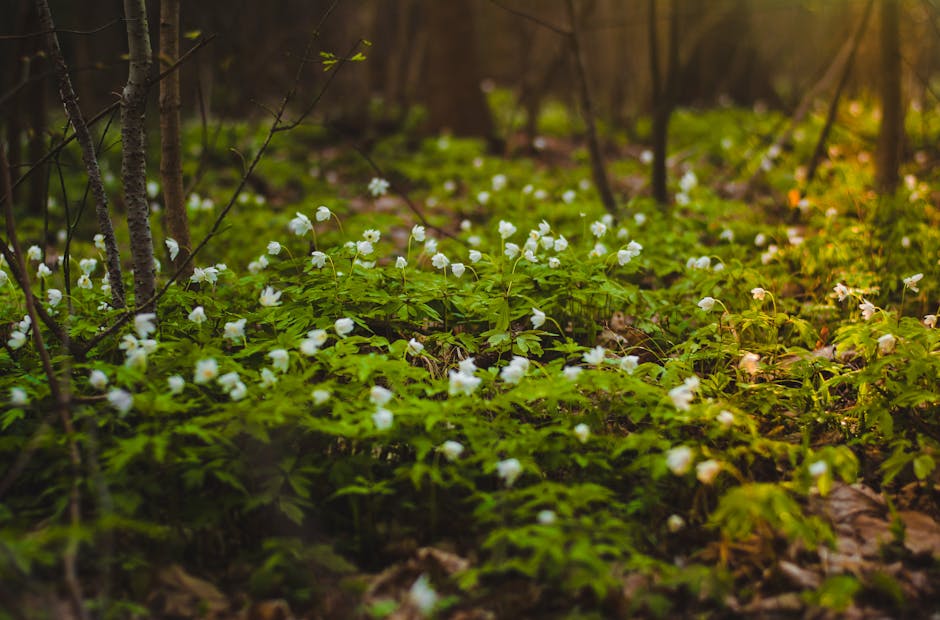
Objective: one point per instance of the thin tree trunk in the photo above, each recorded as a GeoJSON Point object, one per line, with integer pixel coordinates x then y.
{"type": "Point", "coordinates": [171, 167]}
{"type": "Point", "coordinates": [892, 113]}
{"type": "Point", "coordinates": [83, 136]}
{"type": "Point", "coordinates": [133, 153]}
{"type": "Point", "coordinates": [598, 169]}
{"type": "Point", "coordinates": [665, 90]}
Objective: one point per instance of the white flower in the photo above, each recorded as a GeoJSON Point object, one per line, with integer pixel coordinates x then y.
{"type": "Point", "coordinates": [238, 391]}
{"type": "Point", "coordinates": [598, 229]}
{"type": "Point", "coordinates": [98, 380]}
{"type": "Point", "coordinates": [423, 596]}
{"type": "Point", "coordinates": [515, 370]}
{"type": "Point", "coordinates": [467, 366]}
{"type": "Point", "coordinates": [18, 397]}
{"type": "Point", "coordinates": [571, 372]}
{"type": "Point", "coordinates": [300, 225]}
{"type": "Point", "coordinates": [841, 291]}
{"type": "Point", "coordinates": [343, 327]}
{"type": "Point", "coordinates": [43, 272]}
{"type": "Point", "coordinates": [760, 239]}
{"type": "Point", "coordinates": [54, 296]}
{"type": "Point", "coordinates": [818, 468]}
{"type": "Point", "coordinates": [382, 418]}
{"type": "Point", "coordinates": [758, 293]}
{"type": "Point", "coordinates": [483, 197]}
{"type": "Point", "coordinates": [727, 234]}
{"type": "Point", "coordinates": [309, 347]}
{"type": "Point", "coordinates": [529, 255]}
{"type": "Point", "coordinates": [430, 246]}
{"type": "Point", "coordinates": [378, 187]}
{"type": "Point", "coordinates": [451, 450]}
{"type": "Point", "coordinates": [707, 471]}
{"type": "Point", "coordinates": [498, 182]}
{"type": "Point", "coordinates": [554, 262]}
{"type": "Point", "coordinates": [270, 297]}
{"type": "Point", "coordinates": [279, 359]}
{"type": "Point", "coordinates": [414, 347]}
{"type": "Point", "coordinates": [599, 250]}
{"type": "Point", "coordinates": [537, 318]}
{"type": "Point", "coordinates": [886, 343]}
{"type": "Point", "coordinates": [511, 250]}
{"type": "Point", "coordinates": [320, 396]}
{"type": "Point", "coordinates": [34, 252]}
{"type": "Point", "coordinates": [84, 282]}
{"type": "Point", "coordinates": [323, 213]}
{"type": "Point", "coordinates": [364, 247]}
{"type": "Point", "coordinates": [400, 262]}
{"type": "Point", "coordinates": [561, 244]}
{"type": "Point", "coordinates": [868, 309]}
{"type": "Point", "coordinates": [99, 242]}
{"type": "Point", "coordinates": [675, 523]}
{"type": "Point", "coordinates": [725, 418]}
{"type": "Point", "coordinates": [198, 315]}
{"type": "Point", "coordinates": [274, 248]}
{"type": "Point", "coordinates": [440, 261]}
{"type": "Point", "coordinates": [595, 356]}
{"type": "Point", "coordinates": [911, 281]}
{"type": "Point", "coordinates": [688, 181]}
{"type": "Point", "coordinates": [475, 256]}
{"type": "Point", "coordinates": [88, 265]}
{"type": "Point", "coordinates": [569, 196]}
{"type": "Point", "coordinates": [629, 363]}
{"type": "Point", "coordinates": [143, 324]}
{"type": "Point", "coordinates": [749, 362]}
{"type": "Point", "coordinates": [546, 517]}
{"type": "Point", "coordinates": [682, 395]}
{"type": "Point", "coordinates": [930, 320]}
{"type": "Point", "coordinates": [122, 400]}
{"type": "Point", "coordinates": [679, 460]}
{"type": "Point", "coordinates": [706, 303]}
{"type": "Point", "coordinates": [506, 229]}
{"type": "Point", "coordinates": [418, 232]}
{"type": "Point", "coordinates": [582, 432]}
{"type": "Point", "coordinates": [509, 470]}
{"type": "Point", "coordinates": [379, 395]}
{"type": "Point", "coordinates": [462, 382]}
{"type": "Point", "coordinates": [172, 247]}
{"type": "Point", "coordinates": [153, 188]}
{"type": "Point", "coordinates": [228, 380]}
{"type": "Point", "coordinates": [206, 371]}
{"type": "Point", "coordinates": [318, 259]}
{"type": "Point", "coordinates": [235, 330]}
{"type": "Point", "coordinates": [176, 384]}
{"type": "Point", "coordinates": [458, 269]}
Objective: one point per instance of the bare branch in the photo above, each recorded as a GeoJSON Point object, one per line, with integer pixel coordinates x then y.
{"type": "Point", "coordinates": [42, 33]}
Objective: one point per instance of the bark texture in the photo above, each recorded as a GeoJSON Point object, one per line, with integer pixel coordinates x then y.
{"type": "Point", "coordinates": [892, 112]}
{"type": "Point", "coordinates": [171, 166]}
{"type": "Point", "coordinates": [133, 153]}
{"type": "Point", "coordinates": [665, 91]}
{"type": "Point", "coordinates": [87, 144]}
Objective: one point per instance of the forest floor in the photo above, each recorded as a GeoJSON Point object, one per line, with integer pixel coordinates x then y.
{"type": "Point", "coordinates": [447, 384]}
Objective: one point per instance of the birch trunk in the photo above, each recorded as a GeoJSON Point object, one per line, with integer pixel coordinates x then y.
{"type": "Point", "coordinates": [133, 153]}
{"type": "Point", "coordinates": [87, 144]}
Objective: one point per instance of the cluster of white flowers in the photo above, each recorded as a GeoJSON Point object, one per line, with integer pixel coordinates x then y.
{"type": "Point", "coordinates": [18, 336]}
{"type": "Point", "coordinates": [627, 254]}
{"type": "Point", "coordinates": [515, 370]}
{"type": "Point", "coordinates": [464, 380]}
{"type": "Point", "coordinates": [315, 339]}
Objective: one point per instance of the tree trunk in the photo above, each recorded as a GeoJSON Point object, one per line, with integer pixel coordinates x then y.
{"type": "Point", "coordinates": [665, 90]}
{"type": "Point", "coordinates": [892, 113]}
{"type": "Point", "coordinates": [598, 169]}
{"type": "Point", "coordinates": [83, 136]}
{"type": "Point", "coordinates": [171, 166]}
{"type": "Point", "coordinates": [454, 99]}
{"type": "Point", "coordinates": [133, 153]}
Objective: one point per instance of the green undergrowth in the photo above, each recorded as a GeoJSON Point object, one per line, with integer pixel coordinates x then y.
{"type": "Point", "coordinates": [559, 395]}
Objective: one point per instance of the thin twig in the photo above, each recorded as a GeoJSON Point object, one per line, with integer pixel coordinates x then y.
{"type": "Point", "coordinates": [42, 33]}
{"type": "Point", "coordinates": [532, 18]}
